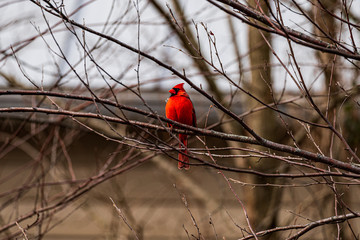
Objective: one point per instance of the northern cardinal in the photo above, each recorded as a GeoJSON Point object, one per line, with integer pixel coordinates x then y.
{"type": "Point", "coordinates": [180, 109]}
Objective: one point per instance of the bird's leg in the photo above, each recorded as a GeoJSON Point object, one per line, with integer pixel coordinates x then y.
{"type": "Point", "coordinates": [171, 129]}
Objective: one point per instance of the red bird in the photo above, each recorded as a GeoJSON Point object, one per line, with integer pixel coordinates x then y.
{"type": "Point", "coordinates": [180, 109]}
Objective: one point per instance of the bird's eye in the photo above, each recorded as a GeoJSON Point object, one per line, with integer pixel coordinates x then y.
{"type": "Point", "coordinates": [176, 89]}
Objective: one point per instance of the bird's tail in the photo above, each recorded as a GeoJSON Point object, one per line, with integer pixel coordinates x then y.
{"type": "Point", "coordinates": [182, 158]}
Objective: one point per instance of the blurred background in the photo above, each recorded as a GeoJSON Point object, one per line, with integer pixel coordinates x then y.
{"type": "Point", "coordinates": [83, 149]}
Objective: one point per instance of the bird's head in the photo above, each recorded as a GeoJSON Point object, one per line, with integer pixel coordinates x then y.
{"type": "Point", "coordinates": [178, 90]}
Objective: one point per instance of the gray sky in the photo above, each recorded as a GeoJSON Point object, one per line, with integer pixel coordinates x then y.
{"type": "Point", "coordinates": [39, 60]}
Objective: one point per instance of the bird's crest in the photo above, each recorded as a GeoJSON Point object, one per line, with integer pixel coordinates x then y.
{"type": "Point", "coordinates": [180, 86]}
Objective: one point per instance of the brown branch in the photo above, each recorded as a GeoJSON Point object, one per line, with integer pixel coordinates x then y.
{"type": "Point", "coordinates": [256, 140]}
{"type": "Point", "coordinates": [198, 131]}
{"type": "Point", "coordinates": [76, 193]}
{"type": "Point", "coordinates": [329, 220]}
{"type": "Point", "coordinates": [305, 227]}
{"type": "Point", "coordinates": [274, 27]}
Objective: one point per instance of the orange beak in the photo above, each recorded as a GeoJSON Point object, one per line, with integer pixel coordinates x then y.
{"type": "Point", "coordinates": [172, 91]}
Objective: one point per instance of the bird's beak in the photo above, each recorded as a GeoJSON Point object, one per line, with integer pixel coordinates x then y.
{"type": "Point", "coordinates": [172, 91]}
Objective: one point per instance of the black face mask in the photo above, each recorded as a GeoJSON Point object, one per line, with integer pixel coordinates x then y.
{"type": "Point", "coordinates": [176, 91]}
